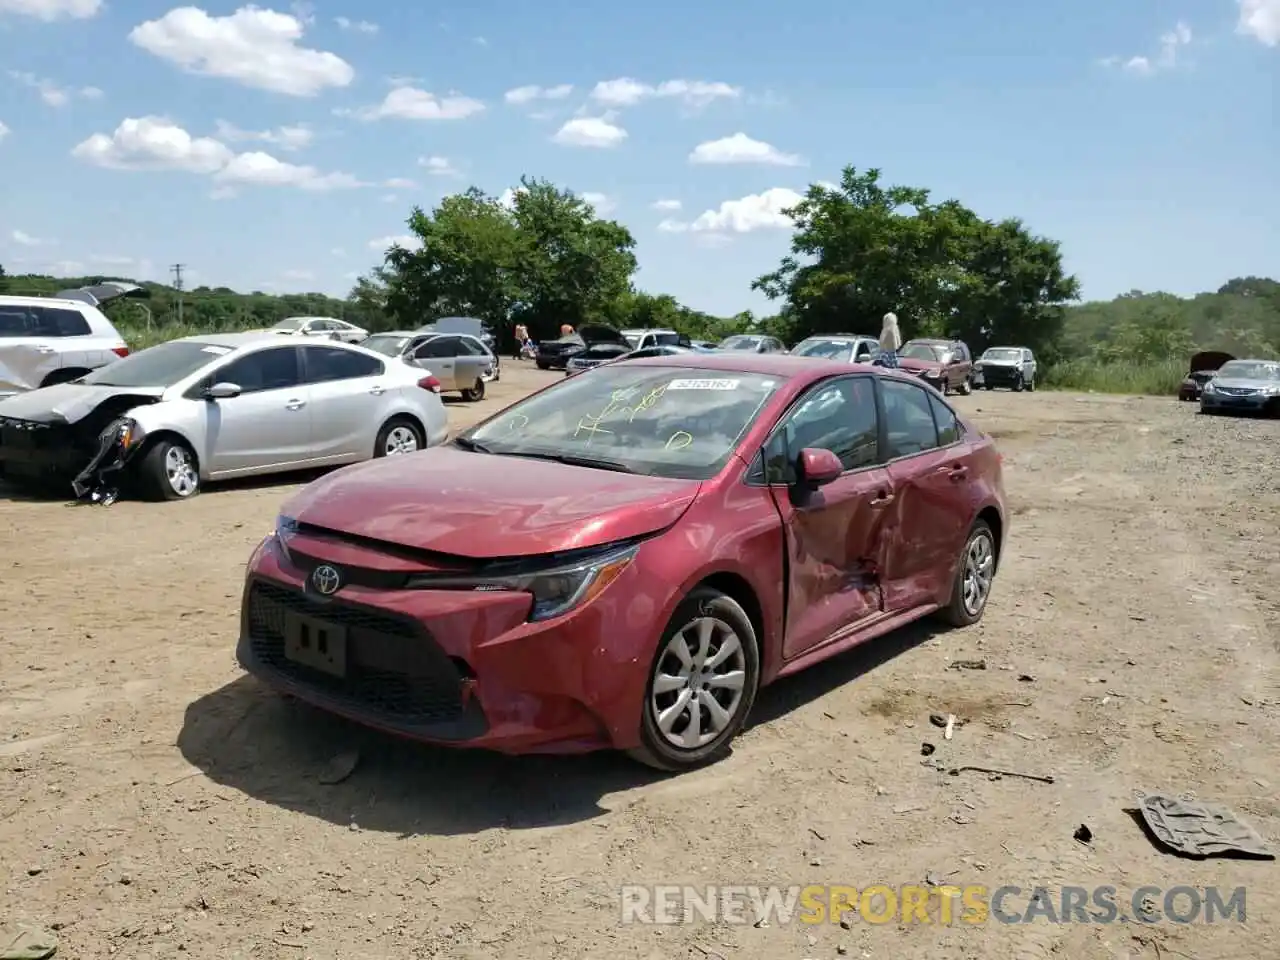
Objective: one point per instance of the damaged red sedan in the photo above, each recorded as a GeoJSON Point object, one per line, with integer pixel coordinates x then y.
{"type": "Point", "coordinates": [623, 559]}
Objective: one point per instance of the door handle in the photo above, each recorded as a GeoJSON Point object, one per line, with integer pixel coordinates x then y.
{"type": "Point", "coordinates": [956, 471]}
{"type": "Point", "coordinates": [295, 404]}
{"type": "Point", "coordinates": [883, 498]}
{"type": "Point", "coordinates": [378, 390]}
{"type": "Point", "coordinates": [45, 350]}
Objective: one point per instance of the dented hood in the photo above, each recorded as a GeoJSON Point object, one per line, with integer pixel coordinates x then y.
{"type": "Point", "coordinates": [484, 506]}
{"type": "Point", "coordinates": [69, 402]}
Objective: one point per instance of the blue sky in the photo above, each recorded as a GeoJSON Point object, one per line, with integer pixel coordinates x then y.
{"type": "Point", "coordinates": [277, 150]}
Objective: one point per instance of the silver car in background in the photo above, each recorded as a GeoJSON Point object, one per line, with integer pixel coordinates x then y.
{"type": "Point", "coordinates": [844, 347]}
{"type": "Point", "coordinates": [325, 327]}
{"type": "Point", "coordinates": [215, 407]}
{"type": "Point", "coordinates": [1243, 386]}
{"type": "Point", "coordinates": [462, 363]}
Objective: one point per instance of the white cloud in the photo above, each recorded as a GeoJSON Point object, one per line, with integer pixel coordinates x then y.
{"type": "Point", "coordinates": [156, 143]}
{"type": "Point", "coordinates": [626, 92]}
{"type": "Point", "coordinates": [1166, 58]}
{"type": "Point", "coordinates": [508, 197]}
{"type": "Point", "coordinates": [667, 205]}
{"type": "Point", "coordinates": [602, 203]}
{"type": "Point", "coordinates": [298, 275]}
{"type": "Point", "coordinates": [4, 131]}
{"type": "Point", "coordinates": [51, 10]}
{"type": "Point", "coordinates": [411, 103]}
{"type": "Point", "coordinates": [112, 261]}
{"type": "Point", "coordinates": [29, 241]}
{"type": "Point", "coordinates": [400, 183]}
{"type": "Point", "coordinates": [759, 211]}
{"type": "Point", "coordinates": [294, 137]}
{"type": "Point", "coordinates": [338, 252]}
{"type": "Point", "coordinates": [590, 132]}
{"type": "Point", "coordinates": [1260, 19]}
{"type": "Point", "coordinates": [50, 92]}
{"type": "Point", "coordinates": [439, 166]}
{"type": "Point", "coordinates": [523, 95]}
{"type": "Point", "coordinates": [739, 149]}
{"type": "Point", "coordinates": [356, 26]}
{"type": "Point", "coordinates": [254, 47]}
{"type": "Point", "coordinates": [408, 241]}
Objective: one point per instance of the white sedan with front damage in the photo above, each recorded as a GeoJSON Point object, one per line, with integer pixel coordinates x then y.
{"type": "Point", "coordinates": [166, 419]}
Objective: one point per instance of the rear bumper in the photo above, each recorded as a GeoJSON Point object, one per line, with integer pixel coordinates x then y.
{"type": "Point", "coordinates": [456, 668]}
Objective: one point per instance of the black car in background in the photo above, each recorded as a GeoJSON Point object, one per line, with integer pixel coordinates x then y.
{"type": "Point", "coordinates": [1202, 368]}
{"type": "Point", "coordinates": [556, 354]}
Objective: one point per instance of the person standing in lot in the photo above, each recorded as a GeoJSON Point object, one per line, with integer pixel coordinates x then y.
{"type": "Point", "coordinates": [566, 330]}
{"type": "Point", "coordinates": [522, 338]}
{"type": "Point", "coordinates": [890, 342]}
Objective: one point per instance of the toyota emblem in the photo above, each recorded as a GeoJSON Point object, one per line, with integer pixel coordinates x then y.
{"type": "Point", "coordinates": [326, 580]}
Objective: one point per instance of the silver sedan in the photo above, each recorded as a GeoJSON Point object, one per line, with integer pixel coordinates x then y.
{"type": "Point", "coordinates": [460, 362]}
{"type": "Point", "coordinates": [216, 407]}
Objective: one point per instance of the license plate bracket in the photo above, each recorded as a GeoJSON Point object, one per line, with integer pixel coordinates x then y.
{"type": "Point", "coordinates": [314, 643]}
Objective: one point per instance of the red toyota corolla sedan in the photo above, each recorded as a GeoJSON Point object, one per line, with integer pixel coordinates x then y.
{"type": "Point", "coordinates": [623, 559]}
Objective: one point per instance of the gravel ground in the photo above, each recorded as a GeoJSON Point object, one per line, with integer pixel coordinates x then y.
{"type": "Point", "coordinates": [154, 802]}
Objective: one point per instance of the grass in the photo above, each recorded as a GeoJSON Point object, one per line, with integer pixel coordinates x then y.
{"type": "Point", "coordinates": [139, 337]}
{"type": "Point", "coordinates": [1159, 378]}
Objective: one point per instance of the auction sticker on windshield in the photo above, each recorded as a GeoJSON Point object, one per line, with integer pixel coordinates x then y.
{"type": "Point", "coordinates": [703, 384]}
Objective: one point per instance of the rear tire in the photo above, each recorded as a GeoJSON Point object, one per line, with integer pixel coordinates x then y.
{"type": "Point", "coordinates": [975, 575]}
{"type": "Point", "coordinates": [542, 365]}
{"type": "Point", "coordinates": [966, 387]}
{"type": "Point", "coordinates": [476, 393]}
{"type": "Point", "coordinates": [718, 661]}
{"type": "Point", "coordinates": [168, 470]}
{"type": "Point", "coordinates": [1031, 385]}
{"type": "Point", "coordinates": [398, 436]}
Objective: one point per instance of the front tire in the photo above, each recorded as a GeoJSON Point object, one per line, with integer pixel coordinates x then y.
{"type": "Point", "coordinates": [398, 436]}
{"type": "Point", "coordinates": [702, 683]}
{"type": "Point", "coordinates": [966, 387]}
{"type": "Point", "coordinates": [975, 575]}
{"type": "Point", "coordinates": [1018, 384]}
{"type": "Point", "coordinates": [168, 471]}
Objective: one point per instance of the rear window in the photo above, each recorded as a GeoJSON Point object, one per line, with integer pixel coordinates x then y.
{"type": "Point", "coordinates": [36, 321]}
{"type": "Point", "coordinates": [667, 339]}
{"type": "Point", "coordinates": [387, 346]}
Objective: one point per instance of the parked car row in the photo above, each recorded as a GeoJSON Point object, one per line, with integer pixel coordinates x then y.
{"type": "Point", "coordinates": [531, 587]}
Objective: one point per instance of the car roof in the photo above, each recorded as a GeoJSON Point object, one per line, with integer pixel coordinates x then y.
{"type": "Point", "coordinates": [647, 330]}
{"type": "Point", "coordinates": [16, 301]}
{"type": "Point", "coordinates": [841, 336]}
{"type": "Point", "coordinates": [394, 333]}
{"type": "Point", "coordinates": [784, 365]}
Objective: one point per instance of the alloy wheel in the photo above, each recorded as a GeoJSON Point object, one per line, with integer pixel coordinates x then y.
{"type": "Point", "coordinates": [180, 470]}
{"type": "Point", "coordinates": [400, 439]}
{"type": "Point", "coordinates": [979, 571]}
{"type": "Point", "coordinates": [698, 683]}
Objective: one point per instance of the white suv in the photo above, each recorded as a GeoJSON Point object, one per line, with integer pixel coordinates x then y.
{"type": "Point", "coordinates": [47, 340]}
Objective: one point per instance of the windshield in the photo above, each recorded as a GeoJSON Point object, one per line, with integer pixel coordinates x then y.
{"type": "Point", "coordinates": [923, 351]}
{"type": "Point", "coordinates": [160, 366]}
{"type": "Point", "coordinates": [385, 345]}
{"type": "Point", "coordinates": [292, 323]}
{"type": "Point", "coordinates": [1249, 370]}
{"type": "Point", "coordinates": [1003, 354]}
{"type": "Point", "coordinates": [740, 343]}
{"type": "Point", "coordinates": [677, 422]}
{"type": "Point", "coordinates": [633, 339]}
{"type": "Point", "coordinates": [828, 349]}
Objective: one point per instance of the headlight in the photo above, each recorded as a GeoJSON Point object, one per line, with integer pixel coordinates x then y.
{"type": "Point", "coordinates": [555, 591]}
{"type": "Point", "coordinates": [126, 432]}
{"type": "Point", "coordinates": [1209, 387]}
{"type": "Point", "coordinates": [284, 529]}
{"type": "Point", "coordinates": [933, 374]}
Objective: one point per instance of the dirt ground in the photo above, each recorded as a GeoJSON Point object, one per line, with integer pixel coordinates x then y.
{"type": "Point", "coordinates": [154, 802]}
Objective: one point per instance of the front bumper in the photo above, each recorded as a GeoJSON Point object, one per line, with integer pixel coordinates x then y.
{"type": "Point", "coordinates": [997, 376]}
{"type": "Point", "coordinates": [1218, 402]}
{"type": "Point", "coordinates": [554, 361]}
{"type": "Point", "coordinates": [457, 668]}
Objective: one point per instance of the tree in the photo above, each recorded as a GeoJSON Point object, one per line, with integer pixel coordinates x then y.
{"type": "Point", "coordinates": [4, 281]}
{"type": "Point", "coordinates": [863, 249]}
{"type": "Point", "coordinates": [544, 261]}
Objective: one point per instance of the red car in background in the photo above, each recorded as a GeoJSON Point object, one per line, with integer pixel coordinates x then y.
{"type": "Point", "coordinates": [944, 364]}
{"type": "Point", "coordinates": [622, 560]}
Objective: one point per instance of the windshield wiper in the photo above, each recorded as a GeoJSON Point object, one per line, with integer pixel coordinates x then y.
{"type": "Point", "coordinates": [466, 443]}
{"type": "Point", "coordinates": [574, 460]}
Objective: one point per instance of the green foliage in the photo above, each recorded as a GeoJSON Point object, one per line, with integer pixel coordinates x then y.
{"type": "Point", "coordinates": [863, 249]}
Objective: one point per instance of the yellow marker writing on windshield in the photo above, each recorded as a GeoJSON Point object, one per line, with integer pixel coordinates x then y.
{"type": "Point", "coordinates": [678, 441]}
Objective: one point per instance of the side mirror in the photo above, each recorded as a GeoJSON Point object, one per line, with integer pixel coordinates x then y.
{"type": "Point", "coordinates": [816, 467]}
{"type": "Point", "coordinates": [222, 391]}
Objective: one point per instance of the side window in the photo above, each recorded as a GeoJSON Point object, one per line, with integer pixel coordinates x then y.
{"type": "Point", "coordinates": [946, 421]}
{"type": "Point", "coordinates": [471, 348]}
{"type": "Point", "coordinates": [272, 369]}
{"type": "Point", "coordinates": [330, 363]}
{"type": "Point", "coordinates": [43, 322]}
{"type": "Point", "coordinates": [839, 416]}
{"type": "Point", "coordinates": [908, 418]}
{"type": "Point", "coordinates": [435, 347]}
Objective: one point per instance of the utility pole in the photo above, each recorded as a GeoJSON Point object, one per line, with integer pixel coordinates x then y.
{"type": "Point", "coordinates": [176, 270]}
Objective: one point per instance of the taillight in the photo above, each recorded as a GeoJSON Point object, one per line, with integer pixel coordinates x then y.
{"type": "Point", "coordinates": [120, 351]}
{"type": "Point", "coordinates": [430, 383]}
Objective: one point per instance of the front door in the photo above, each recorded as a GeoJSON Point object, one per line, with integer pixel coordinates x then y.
{"type": "Point", "coordinates": [269, 423]}
{"type": "Point", "coordinates": [833, 534]}
{"type": "Point", "coordinates": [437, 356]}
{"type": "Point", "coordinates": [925, 464]}
{"type": "Point", "coordinates": [347, 391]}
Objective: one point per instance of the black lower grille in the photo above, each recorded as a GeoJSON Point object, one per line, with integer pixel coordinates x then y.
{"type": "Point", "coordinates": [395, 671]}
